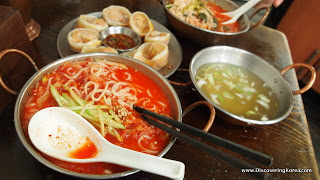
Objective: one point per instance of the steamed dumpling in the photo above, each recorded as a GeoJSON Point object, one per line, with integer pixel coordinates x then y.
{"type": "Point", "coordinates": [92, 22]}
{"type": "Point", "coordinates": [80, 37]}
{"type": "Point", "coordinates": [140, 23]}
{"type": "Point", "coordinates": [156, 36]}
{"type": "Point", "coordinates": [116, 15]}
{"type": "Point", "coordinates": [89, 49]}
{"type": "Point", "coordinates": [155, 54]}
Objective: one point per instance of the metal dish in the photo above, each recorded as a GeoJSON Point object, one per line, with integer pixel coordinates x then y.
{"type": "Point", "coordinates": [208, 37]}
{"type": "Point", "coordinates": [271, 76]}
{"type": "Point", "coordinates": [175, 50]}
{"type": "Point", "coordinates": [24, 93]}
{"type": "Point", "coordinates": [121, 30]}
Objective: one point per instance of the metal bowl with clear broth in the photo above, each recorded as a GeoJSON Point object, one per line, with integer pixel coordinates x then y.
{"type": "Point", "coordinates": [256, 65]}
{"type": "Point", "coordinates": [24, 93]}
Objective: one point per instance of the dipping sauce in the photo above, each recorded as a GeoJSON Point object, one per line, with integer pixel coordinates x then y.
{"type": "Point", "coordinates": [237, 91]}
{"type": "Point", "coordinates": [119, 41]}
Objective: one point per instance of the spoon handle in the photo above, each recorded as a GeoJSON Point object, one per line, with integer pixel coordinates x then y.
{"type": "Point", "coordinates": [240, 11]}
{"type": "Point", "coordinates": [145, 162]}
{"type": "Point", "coordinates": [244, 8]}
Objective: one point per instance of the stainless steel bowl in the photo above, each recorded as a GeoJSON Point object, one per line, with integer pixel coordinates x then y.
{"type": "Point", "coordinates": [269, 74]}
{"type": "Point", "coordinates": [121, 30]}
{"type": "Point", "coordinates": [204, 36]}
{"type": "Point", "coordinates": [24, 93]}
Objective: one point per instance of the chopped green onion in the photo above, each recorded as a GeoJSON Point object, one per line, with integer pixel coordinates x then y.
{"type": "Point", "coordinates": [220, 98]}
{"type": "Point", "coordinates": [45, 79]}
{"type": "Point", "coordinates": [203, 17]}
{"type": "Point", "coordinates": [251, 113]}
{"type": "Point", "coordinates": [169, 5]}
{"type": "Point", "coordinates": [226, 28]}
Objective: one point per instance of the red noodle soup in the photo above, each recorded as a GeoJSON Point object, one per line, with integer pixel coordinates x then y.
{"type": "Point", "coordinates": [203, 14]}
{"type": "Point", "coordinates": [103, 92]}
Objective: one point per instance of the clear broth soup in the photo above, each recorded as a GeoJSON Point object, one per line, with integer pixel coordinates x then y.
{"type": "Point", "coordinates": [237, 91]}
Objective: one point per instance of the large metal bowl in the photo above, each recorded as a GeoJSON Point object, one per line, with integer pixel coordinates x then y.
{"type": "Point", "coordinates": [261, 68]}
{"type": "Point", "coordinates": [24, 93]}
{"type": "Point", "coordinates": [204, 36]}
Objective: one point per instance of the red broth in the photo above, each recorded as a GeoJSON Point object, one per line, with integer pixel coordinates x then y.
{"type": "Point", "coordinates": [233, 27]}
{"type": "Point", "coordinates": [88, 150]}
{"type": "Point", "coordinates": [137, 135]}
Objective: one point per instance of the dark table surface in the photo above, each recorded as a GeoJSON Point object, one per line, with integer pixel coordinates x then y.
{"type": "Point", "coordinates": [288, 142]}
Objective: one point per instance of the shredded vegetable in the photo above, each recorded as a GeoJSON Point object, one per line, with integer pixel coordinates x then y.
{"type": "Point", "coordinates": [237, 90]}
{"type": "Point", "coordinates": [93, 113]}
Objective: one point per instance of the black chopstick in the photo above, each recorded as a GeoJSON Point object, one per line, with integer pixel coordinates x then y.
{"type": "Point", "coordinates": [237, 148]}
{"type": "Point", "coordinates": [207, 148]}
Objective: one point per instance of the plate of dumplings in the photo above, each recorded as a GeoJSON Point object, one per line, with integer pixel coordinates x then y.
{"type": "Point", "coordinates": [159, 48]}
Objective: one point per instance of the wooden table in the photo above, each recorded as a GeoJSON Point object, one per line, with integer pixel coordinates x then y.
{"type": "Point", "coordinates": [288, 142]}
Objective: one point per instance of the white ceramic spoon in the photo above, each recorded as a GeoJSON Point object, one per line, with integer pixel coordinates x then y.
{"type": "Point", "coordinates": [57, 132]}
{"type": "Point", "coordinates": [240, 11]}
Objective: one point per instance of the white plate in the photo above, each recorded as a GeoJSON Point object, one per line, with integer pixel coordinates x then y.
{"type": "Point", "coordinates": [175, 51]}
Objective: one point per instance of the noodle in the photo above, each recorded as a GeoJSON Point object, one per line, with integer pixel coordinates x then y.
{"type": "Point", "coordinates": [76, 90]}
{"type": "Point", "coordinates": [76, 75]}
{"type": "Point", "coordinates": [204, 14]}
{"type": "Point", "coordinates": [68, 82]}
{"type": "Point", "coordinates": [148, 92]}
{"type": "Point", "coordinates": [113, 76]}
{"type": "Point", "coordinates": [128, 76]}
{"type": "Point", "coordinates": [145, 149]}
{"type": "Point", "coordinates": [104, 93]}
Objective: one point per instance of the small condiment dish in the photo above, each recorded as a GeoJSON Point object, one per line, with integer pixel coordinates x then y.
{"type": "Point", "coordinates": [121, 31]}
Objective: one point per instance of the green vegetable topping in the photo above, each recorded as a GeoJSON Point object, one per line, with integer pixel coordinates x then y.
{"type": "Point", "coordinates": [251, 113]}
{"type": "Point", "coordinates": [203, 17]}
{"type": "Point", "coordinates": [226, 28]}
{"type": "Point", "coordinates": [93, 113]}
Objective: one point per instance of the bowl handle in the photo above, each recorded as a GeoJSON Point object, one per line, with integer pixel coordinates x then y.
{"type": "Point", "coordinates": [212, 112]}
{"type": "Point", "coordinates": [262, 18]}
{"type": "Point", "coordinates": [311, 81]}
{"type": "Point", "coordinates": [178, 83]}
{"type": "Point", "coordinates": [6, 51]}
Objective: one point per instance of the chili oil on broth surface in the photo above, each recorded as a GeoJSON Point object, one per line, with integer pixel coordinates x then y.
{"type": "Point", "coordinates": [103, 92]}
{"type": "Point", "coordinates": [237, 91]}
